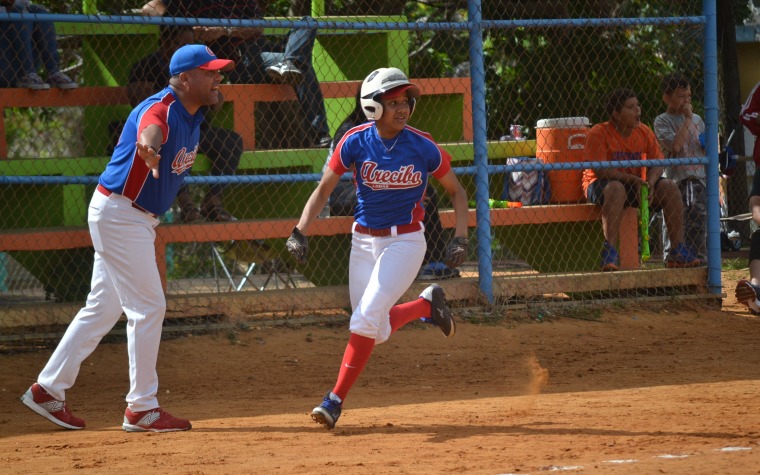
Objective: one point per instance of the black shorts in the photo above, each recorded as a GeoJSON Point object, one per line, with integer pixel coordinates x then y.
{"type": "Point", "coordinates": [755, 191]}
{"type": "Point", "coordinates": [595, 194]}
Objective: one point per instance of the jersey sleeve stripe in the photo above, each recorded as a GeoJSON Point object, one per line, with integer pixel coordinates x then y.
{"type": "Point", "coordinates": [136, 177]}
{"type": "Point", "coordinates": [336, 163]}
{"type": "Point", "coordinates": [444, 164]}
{"type": "Point", "coordinates": [157, 114]}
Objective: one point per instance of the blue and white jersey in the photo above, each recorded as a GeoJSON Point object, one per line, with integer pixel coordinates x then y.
{"type": "Point", "coordinates": [127, 174]}
{"type": "Point", "coordinates": [390, 175]}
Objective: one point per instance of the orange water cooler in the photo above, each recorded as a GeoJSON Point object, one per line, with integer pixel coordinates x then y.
{"type": "Point", "coordinates": [563, 140]}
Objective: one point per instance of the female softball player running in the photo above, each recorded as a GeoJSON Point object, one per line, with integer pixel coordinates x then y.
{"type": "Point", "coordinates": [390, 162]}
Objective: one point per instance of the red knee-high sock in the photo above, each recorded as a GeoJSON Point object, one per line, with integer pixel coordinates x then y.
{"type": "Point", "coordinates": [358, 351]}
{"type": "Point", "coordinates": [404, 313]}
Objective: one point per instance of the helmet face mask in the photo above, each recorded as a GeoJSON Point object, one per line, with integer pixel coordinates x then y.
{"type": "Point", "coordinates": [379, 82]}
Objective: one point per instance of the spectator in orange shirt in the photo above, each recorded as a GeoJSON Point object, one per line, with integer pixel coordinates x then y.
{"type": "Point", "coordinates": [624, 137]}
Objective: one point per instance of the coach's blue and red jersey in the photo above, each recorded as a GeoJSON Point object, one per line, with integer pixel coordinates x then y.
{"type": "Point", "coordinates": [391, 176]}
{"type": "Point", "coordinates": [127, 174]}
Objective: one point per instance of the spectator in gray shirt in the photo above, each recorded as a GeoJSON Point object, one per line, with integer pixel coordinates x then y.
{"type": "Point", "coordinates": [678, 130]}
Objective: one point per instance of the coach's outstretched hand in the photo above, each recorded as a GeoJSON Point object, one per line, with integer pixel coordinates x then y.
{"type": "Point", "coordinates": [150, 154]}
{"type": "Point", "coordinates": [456, 251]}
{"type": "Point", "coordinates": [298, 245]}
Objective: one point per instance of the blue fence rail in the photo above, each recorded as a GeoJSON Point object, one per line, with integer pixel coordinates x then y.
{"type": "Point", "coordinates": [526, 165]}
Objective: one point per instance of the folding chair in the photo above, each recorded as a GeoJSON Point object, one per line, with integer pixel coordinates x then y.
{"type": "Point", "coordinates": [252, 254]}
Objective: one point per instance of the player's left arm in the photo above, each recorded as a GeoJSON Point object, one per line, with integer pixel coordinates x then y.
{"type": "Point", "coordinates": [458, 196]}
{"type": "Point", "coordinates": [458, 249]}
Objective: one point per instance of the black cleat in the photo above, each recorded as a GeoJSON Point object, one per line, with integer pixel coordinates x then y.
{"type": "Point", "coordinates": [439, 311]}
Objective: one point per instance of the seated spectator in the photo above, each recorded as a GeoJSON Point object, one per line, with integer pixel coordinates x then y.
{"type": "Point", "coordinates": [343, 201]}
{"type": "Point", "coordinates": [222, 147]}
{"type": "Point", "coordinates": [678, 130]}
{"type": "Point", "coordinates": [624, 137]}
{"type": "Point", "coordinates": [26, 46]}
{"type": "Point", "coordinates": [258, 60]}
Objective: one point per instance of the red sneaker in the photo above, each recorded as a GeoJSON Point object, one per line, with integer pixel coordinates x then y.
{"type": "Point", "coordinates": [154, 420]}
{"type": "Point", "coordinates": [38, 400]}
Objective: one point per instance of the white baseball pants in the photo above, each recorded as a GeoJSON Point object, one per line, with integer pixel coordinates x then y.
{"type": "Point", "coordinates": [124, 278]}
{"type": "Point", "coordinates": [381, 269]}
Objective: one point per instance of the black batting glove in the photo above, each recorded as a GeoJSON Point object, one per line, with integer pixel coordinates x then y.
{"type": "Point", "coordinates": [456, 252]}
{"type": "Point", "coordinates": [298, 245]}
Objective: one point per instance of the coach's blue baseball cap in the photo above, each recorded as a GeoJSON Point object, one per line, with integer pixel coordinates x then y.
{"type": "Point", "coordinates": [197, 56]}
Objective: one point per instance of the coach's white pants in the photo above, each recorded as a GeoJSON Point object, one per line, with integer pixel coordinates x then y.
{"type": "Point", "coordinates": [381, 269]}
{"type": "Point", "coordinates": [124, 278]}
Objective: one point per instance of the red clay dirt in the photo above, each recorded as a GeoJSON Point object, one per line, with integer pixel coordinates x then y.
{"type": "Point", "coordinates": [672, 388]}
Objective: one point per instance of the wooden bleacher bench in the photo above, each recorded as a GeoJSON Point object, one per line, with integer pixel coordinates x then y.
{"type": "Point", "coordinates": [243, 97]}
{"type": "Point", "coordinates": [69, 238]}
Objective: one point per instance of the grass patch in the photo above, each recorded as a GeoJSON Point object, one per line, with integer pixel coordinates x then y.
{"type": "Point", "coordinates": [736, 263]}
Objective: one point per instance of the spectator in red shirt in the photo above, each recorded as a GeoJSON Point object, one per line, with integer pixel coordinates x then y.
{"type": "Point", "coordinates": [748, 290]}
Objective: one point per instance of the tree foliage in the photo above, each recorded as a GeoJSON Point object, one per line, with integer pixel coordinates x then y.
{"type": "Point", "coordinates": [534, 73]}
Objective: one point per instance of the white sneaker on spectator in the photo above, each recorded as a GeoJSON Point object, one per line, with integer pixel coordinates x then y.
{"type": "Point", "coordinates": [32, 81]}
{"type": "Point", "coordinates": [285, 72]}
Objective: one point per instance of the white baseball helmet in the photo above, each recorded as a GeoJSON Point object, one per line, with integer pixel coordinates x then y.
{"type": "Point", "coordinates": [378, 83]}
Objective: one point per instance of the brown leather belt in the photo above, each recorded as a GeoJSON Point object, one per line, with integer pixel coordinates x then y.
{"type": "Point", "coordinates": [401, 229]}
{"type": "Point", "coordinates": [106, 192]}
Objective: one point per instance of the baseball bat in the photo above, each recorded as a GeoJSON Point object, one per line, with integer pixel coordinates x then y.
{"type": "Point", "coordinates": [644, 214]}
{"type": "Point", "coordinates": [644, 222]}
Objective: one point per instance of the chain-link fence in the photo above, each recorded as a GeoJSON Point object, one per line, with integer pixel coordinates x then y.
{"type": "Point", "coordinates": [513, 103]}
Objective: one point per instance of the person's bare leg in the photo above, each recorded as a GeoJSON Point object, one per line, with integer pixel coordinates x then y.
{"type": "Point", "coordinates": [612, 211]}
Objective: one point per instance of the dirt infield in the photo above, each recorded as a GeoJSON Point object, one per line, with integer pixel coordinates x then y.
{"type": "Point", "coordinates": [671, 389]}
